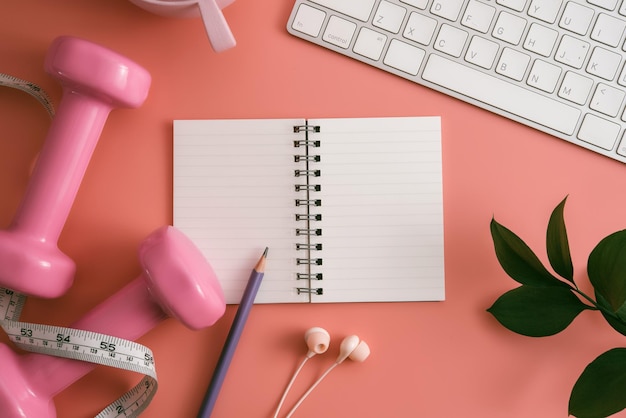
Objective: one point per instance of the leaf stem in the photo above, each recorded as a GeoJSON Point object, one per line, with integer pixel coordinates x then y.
{"type": "Point", "coordinates": [596, 306]}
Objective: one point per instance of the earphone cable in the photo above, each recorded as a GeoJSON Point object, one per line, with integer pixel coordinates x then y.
{"type": "Point", "coordinates": [293, 378]}
{"type": "Point", "coordinates": [313, 386]}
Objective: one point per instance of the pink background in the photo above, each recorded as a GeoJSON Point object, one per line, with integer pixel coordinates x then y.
{"type": "Point", "coordinates": [442, 359]}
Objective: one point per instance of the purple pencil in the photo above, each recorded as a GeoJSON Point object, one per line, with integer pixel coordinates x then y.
{"type": "Point", "coordinates": [247, 300]}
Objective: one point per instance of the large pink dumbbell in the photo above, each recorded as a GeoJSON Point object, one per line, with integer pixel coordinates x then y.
{"type": "Point", "coordinates": [95, 80]}
{"type": "Point", "coordinates": [177, 281]}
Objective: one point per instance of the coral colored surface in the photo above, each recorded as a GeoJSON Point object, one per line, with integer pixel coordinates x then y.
{"type": "Point", "coordinates": [448, 359]}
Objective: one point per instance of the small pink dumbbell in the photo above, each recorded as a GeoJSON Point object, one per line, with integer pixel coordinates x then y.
{"type": "Point", "coordinates": [177, 281]}
{"type": "Point", "coordinates": [95, 80]}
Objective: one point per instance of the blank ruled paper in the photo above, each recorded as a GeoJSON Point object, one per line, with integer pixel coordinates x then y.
{"type": "Point", "coordinates": [382, 209]}
{"type": "Point", "coordinates": [361, 222]}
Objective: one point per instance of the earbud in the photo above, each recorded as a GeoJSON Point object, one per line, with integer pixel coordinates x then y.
{"type": "Point", "coordinates": [351, 347]}
{"type": "Point", "coordinates": [354, 348]}
{"type": "Point", "coordinates": [317, 339]}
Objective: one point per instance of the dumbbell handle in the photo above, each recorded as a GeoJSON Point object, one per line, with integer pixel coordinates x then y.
{"type": "Point", "coordinates": [61, 165]}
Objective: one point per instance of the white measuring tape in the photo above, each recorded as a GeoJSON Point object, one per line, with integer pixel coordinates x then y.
{"type": "Point", "coordinates": [30, 88]}
{"type": "Point", "coordinates": [74, 343]}
{"type": "Point", "coordinates": [85, 346]}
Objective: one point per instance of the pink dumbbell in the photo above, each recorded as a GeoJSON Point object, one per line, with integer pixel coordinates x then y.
{"type": "Point", "coordinates": [95, 80]}
{"type": "Point", "coordinates": [177, 281]}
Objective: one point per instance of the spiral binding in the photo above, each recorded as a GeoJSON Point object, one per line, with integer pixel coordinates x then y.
{"type": "Point", "coordinates": [311, 247]}
{"type": "Point", "coordinates": [306, 128]}
{"type": "Point", "coordinates": [306, 143]}
{"type": "Point", "coordinates": [310, 290]}
{"type": "Point", "coordinates": [307, 173]}
{"type": "Point", "coordinates": [309, 260]}
{"type": "Point", "coordinates": [310, 187]}
{"type": "Point", "coordinates": [309, 276]}
{"type": "Point", "coordinates": [308, 202]}
{"type": "Point", "coordinates": [315, 158]}
{"type": "Point", "coordinates": [308, 216]}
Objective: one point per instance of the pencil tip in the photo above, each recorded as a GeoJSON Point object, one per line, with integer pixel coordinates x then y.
{"type": "Point", "coordinates": [260, 265]}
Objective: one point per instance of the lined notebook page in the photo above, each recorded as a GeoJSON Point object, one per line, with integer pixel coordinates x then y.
{"type": "Point", "coordinates": [382, 209]}
{"type": "Point", "coordinates": [234, 195]}
{"type": "Point", "coordinates": [381, 194]}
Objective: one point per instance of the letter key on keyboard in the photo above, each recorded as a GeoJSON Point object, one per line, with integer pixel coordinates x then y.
{"type": "Point", "coordinates": [556, 66]}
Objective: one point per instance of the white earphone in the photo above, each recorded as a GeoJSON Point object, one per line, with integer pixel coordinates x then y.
{"type": "Point", "coordinates": [353, 348]}
{"type": "Point", "coordinates": [317, 340]}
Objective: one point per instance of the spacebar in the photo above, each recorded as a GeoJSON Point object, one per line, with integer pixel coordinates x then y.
{"type": "Point", "coordinates": [498, 93]}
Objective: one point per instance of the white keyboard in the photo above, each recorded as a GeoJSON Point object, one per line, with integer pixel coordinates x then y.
{"type": "Point", "coordinates": [557, 66]}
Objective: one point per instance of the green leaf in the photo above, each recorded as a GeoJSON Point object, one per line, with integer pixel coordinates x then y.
{"type": "Point", "coordinates": [558, 245]}
{"type": "Point", "coordinates": [618, 323]}
{"type": "Point", "coordinates": [537, 311]}
{"type": "Point", "coordinates": [600, 390]}
{"type": "Point", "coordinates": [606, 268]}
{"type": "Point", "coordinates": [518, 260]}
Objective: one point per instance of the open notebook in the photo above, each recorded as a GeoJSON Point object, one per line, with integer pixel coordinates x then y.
{"type": "Point", "coordinates": [351, 209]}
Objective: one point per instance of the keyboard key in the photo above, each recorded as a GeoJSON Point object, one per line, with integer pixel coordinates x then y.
{"type": "Point", "coordinates": [481, 52]}
{"type": "Point", "coordinates": [544, 76]}
{"type": "Point", "coordinates": [598, 131]}
{"type": "Point", "coordinates": [512, 64]}
{"type": "Point", "coordinates": [572, 51]}
{"type": "Point", "coordinates": [575, 88]}
{"type": "Point", "coordinates": [420, 28]}
{"type": "Point", "coordinates": [540, 39]}
{"type": "Point", "coordinates": [420, 4]}
{"type": "Point", "coordinates": [608, 30]}
{"type": "Point", "coordinates": [404, 57]}
{"type": "Point", "coordinates": [450, 40]}
{"type": "Point", "coordinates": [607, 4]}
{"type": "Point", "coordinates": [370, 43]}
{"type": "Point", "coordinates": [509, 28]}
{"type": "Point", "coordinates": [546, 10]}
{"type": "Point", "coordinates": [505, 96]}
{"type": "Point", "coordinates": [339, 32]}
{"type": "Point", "coordinates": [603, 63]}
{"type": "Point", "coordinates": [478, 16]}
{"type": "Point", "coordinates": [389, 17]}
{"type": "Point", "coordinates": [607, 100]}
{"type": "Point", "coordinates": [308, 20]}
{"type": "Point", "coordinates": [448, 9]}
{"type": "Point", "coordinates": [576, 18]}
{"type": "Point", "coordinates": [358, 9]}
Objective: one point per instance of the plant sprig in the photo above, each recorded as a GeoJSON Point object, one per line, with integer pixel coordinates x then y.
{"type": "Point", "coordinates": [547, 302]}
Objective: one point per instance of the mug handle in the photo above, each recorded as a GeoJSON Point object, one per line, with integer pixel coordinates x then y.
{"type": "Point", "coordinates": [216, 27]}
